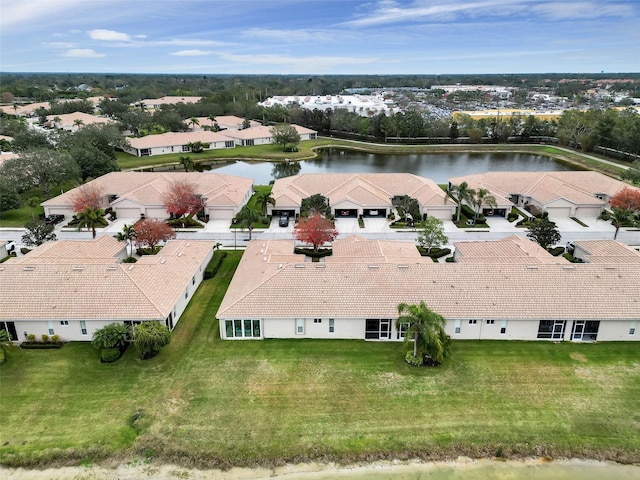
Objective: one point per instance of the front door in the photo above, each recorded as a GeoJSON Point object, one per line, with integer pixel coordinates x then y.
{"type": "Point", "coordinates": [558, 330]}
{"type": "Point", "coordinates": [578, 329]}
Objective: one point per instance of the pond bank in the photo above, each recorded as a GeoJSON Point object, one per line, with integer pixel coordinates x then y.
{"type": "Point", "coordinates": [461, 468]}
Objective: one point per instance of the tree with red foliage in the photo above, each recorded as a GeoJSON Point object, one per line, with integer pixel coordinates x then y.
{"type": "Point", "coordinates": [626, 199]}
{"type": "Point", "coordinates": [150, 232]}
{"type": "Point", "coordinates": [315, 230]}
{"type": "Point", "coordinates": [88, 196]}
{"type": "Point", "coordinates": [181, 199]}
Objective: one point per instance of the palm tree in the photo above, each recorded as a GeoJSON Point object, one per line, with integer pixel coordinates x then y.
{"type": "Point", "coordinates": [114, 335]}
{"type": "Point", "coordinates": [247, 216]}
{"type": "Point", "coordinates": [426, 328]}
{"type": "Point", "coordinates": [263, 199]}
{"type": "Point", "coordinates": [78, 123]}
{"type": "Point", "coordinates": [187, 163]}
{"type": "Point", "coordinates": [56, 121]}
{"type": "Point", "coordinates": [127, 235]}
{"type": "Point", "coordinates": [462, 193]}
{"type": "Point", "coordinates": [91, 218]}
{"type": "Point", "coordinates": [193, 121]}
{"type": "Point", "coordinates": [619, 216]}
{"type": "Point", "coordinates": [5, 345]}
{"type": "Point", "coordinates": [482, 197]}
{"type": "Point", "coordinates": [150, 337]}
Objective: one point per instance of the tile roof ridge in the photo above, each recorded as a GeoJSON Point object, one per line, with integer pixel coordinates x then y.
{"type": "Point", "coordinates": [126, 269]}
{"type": "Point", "coordinates": [256, 287]}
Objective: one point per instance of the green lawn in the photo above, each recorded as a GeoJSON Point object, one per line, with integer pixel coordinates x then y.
{"type": "Point", "coordinates": [208, 403]}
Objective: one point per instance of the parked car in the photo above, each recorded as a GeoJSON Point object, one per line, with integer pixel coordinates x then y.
{"type": "Point", "coordinates": [284, 221]}
{"type": "Point", "coordinates": [53, 219]}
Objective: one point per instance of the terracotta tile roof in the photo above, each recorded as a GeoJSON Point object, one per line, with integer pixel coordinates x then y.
{"type": "Point", "coordinates": [68, 119]}
{"type": "Point", "coordinates": [512, 249]}
{"type": "Point", "coordinates": [370, 189]}
{"type": "Point", "coordinates": [608, 251]}
{"type": "Point", "coordinates": [455, 290]}
{"type": "Point", "coordinates": [173, 139]}
{"type": "Point", "coordinates": [148, 188]}
{"type": "Point", "coordinates": [545, 187]}
{"type": "Point", "coordinates": [104, 249]}
{"type": "Point", "coordinates": [145, 290]}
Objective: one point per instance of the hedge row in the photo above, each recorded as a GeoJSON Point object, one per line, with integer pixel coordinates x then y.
{"type": "Point", "coordinates": [214, 264]}
{"type": "Point", "coordinates": [309, 252]}
{"type": "Point", "coordinates": [435, 252]}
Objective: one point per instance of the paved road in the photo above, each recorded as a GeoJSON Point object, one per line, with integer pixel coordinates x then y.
{"type": "Point", "coordinates": [374, 229]}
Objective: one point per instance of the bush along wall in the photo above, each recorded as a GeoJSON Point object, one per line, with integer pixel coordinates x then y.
{"type": "Point", "coordinates": [214, 264]}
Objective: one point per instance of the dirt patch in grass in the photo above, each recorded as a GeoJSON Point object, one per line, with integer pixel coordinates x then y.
{"type": "Point", "coordinates": [579, 357]}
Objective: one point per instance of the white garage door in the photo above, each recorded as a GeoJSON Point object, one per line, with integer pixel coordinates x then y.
{"type": "Point", "coordinates": [588, 212]}
{"type": "Point", "coordinates": [559, 212]}
{"type": "Point", "coordinates": [128, 213]}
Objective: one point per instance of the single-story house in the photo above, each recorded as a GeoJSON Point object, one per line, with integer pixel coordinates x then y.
{"type": "Point", "coordinates": [560, 194]}
{"type": "Point", "coordinates": [132, 195]}
{"type": "Point", "coordinates": [153, 103]}
{"type": "Point", "coordinates": [26, 110]}
{"type": "Point", "coordinates": [345, 299]}
{"type": "Point", "coordinates": [261, 135]}
{"type": "Point", "coordinates": [73, 288]}
{"type": "Point", "coordinates": [366, 194]}
{"type": "Point", "coordinates": [605, 251]}
{"type": "Point", "coordinates": [225, 122]}
{"type": "Point", "coordinates": [512, 249]}
{"type": "Point", "coordinates": [73, 121]}
{"type": "Point", "coordinates": [175, 142]}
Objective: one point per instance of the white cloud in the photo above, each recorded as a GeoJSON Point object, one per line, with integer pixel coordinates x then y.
{"type": "Point", "coordinates": [289, 36]}
{"type": "Point", "coordinates": [58, 45]}
{"type": "Point", "coordinates": [179, 42]}
{"type": "Point", "coordinates": [190, 53]}
{"type": "Point", "coordinates": [582, 10]}
{"type": "Point", "coordinates": [391, 12]}
{"type": "Point", "coordinates": [83, 53]}
{"type": "Point", "coordinates": [109, 35]}
{"type": "Point", "coordinates": [19, 13]}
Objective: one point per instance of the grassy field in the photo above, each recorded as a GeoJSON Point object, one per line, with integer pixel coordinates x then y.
{"type": "Point", "coordinates": [208, 403]}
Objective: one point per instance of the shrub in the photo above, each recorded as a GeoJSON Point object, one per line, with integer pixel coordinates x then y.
{"type": "Point", "coordinates": [214, 264]}
{"type": "Point", "coordinates": [45, 338]}
{"type": "Point", "coordinates": [109, 355]}
{"type": "Point", "coordinates": [31, 337]}
{"type": "Point", "coordinates": [150, 337]}
{"type": "Point", "coordinates": [25, 250]}
{"type": "Point", "coordinates": [184, 222]}
{"type": "Point", "coordinates": [450, 260]}
{"type": "Point", "coordinates": [411, 359]}
{"type": "Point", "coordinates": [130, 260]}
{"type": "Point", "coordinates": [55, 338]}
{"type": "Point", "coordinates": [435, 252]}
{"type": "Point", "coordinates": [556, 251]}
{"type": "Point", "coordinates": [309, 252]}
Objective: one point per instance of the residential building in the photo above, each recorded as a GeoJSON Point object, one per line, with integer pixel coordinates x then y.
{"type": "Point", "coordinates": [73, 288]}
{"type": "Point", "coordinates": [224, 122]}
{"type": "Point", "coordinates": [73, 121]}
{"type": "Point", "coordinates": [132, 195]}
{"type": "Point", "coordinates": [176, 142]}
{"type": "Point", "coordinates": [355, 294]}
{"type": "Point", "coordinates": [366, 194]}
{"type": "Point", "coordinates": [154, 103]}
{"type": "Point", "coordinates": [261, 135]}
{"type": "Point", "coordinates": [560, 194]}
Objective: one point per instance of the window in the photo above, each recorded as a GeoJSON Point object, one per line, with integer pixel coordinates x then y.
{"type": "Point", "coordinates": [248, 143]}
{"type": "Point", "coordinates": [229, 144]}
{"type": "Point", "coordinates": [473, 321]}
{"type": "Point", "coordinates": [299, 326]}
{"type": "Point", "coordinates": [185, 148]}
{"type": "Point", "coordinates": [377, 328]}
{"type": "Point", "coordinates": [64, 322]}
{"type": "Point", "coordinates": [83, 327]}
{"type": "Point", "coordinates": [50, 327]}
{"type": "Point", "coordinates": [553, 329]}
{"type": "Point", "coordinates": [503, 327]}
{"type": "Point", "coordinates": [332, 327]}
{"type": "Point", "coordinates": [490, 322]}
{"type": "Point", "coordinates": [401, 331]}
{"type": "Point", "coordinates": [242, 328]}
{"type": "Point", "coordinates": [317, 320]}
{"type": "Point", "coordinates": [186, 294]}
{"type": "Point", "coordinates": [457, 327]}
{"type": "Point", "coordinates": [193, 280]}
{"type": "Point", "coordinates": [632, 329]}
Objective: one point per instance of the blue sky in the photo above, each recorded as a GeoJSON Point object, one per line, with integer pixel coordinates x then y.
{"type": "Point", "coordinates": [320, 36]}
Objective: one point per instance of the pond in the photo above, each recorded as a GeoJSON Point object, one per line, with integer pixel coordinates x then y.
{"type": "Point", "coordinates": [438, 167]}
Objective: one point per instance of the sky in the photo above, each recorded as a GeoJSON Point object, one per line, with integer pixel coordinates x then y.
{"type": "Point", "coordinates": [320, 37]}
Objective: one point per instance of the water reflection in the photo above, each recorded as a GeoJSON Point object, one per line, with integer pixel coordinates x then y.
{"type": "Point", "coordinates": [438, 167]}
